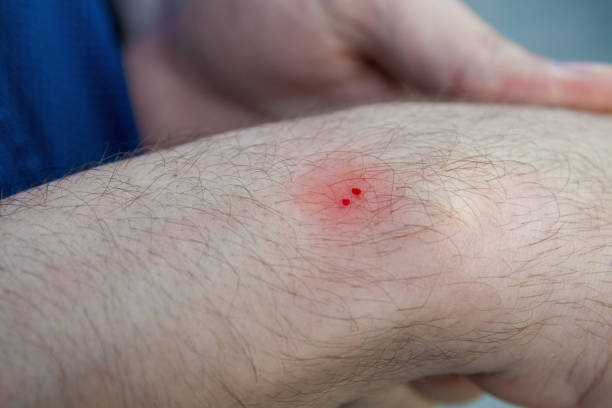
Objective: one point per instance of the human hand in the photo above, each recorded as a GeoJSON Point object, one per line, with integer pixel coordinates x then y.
{"type": "Point", "coordinates": [424, 393]}
{"type": "Point", "coordinates": [218, 64]}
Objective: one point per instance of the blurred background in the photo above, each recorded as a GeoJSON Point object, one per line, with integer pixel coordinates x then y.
{"type": "Point", "coordinates": [565, 30]}
{"type": "Point", "coordinates": [560, 29]}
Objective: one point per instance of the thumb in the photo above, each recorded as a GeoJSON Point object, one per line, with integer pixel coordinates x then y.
{"type": "Point", "coordinates": [442, 47]}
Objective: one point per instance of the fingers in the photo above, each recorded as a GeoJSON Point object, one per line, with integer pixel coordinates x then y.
{"type": "Point", "coordinates": [573, 85]}
{"type": "Point", "coordinates": [526, 390]}
{"type": "Point", "coordinates": [421, 394]}
{"type": "Point", "coordinates": [536, 387]}
{"type": "Point", "coordinates": [442, 47]}
{"type": "Point", "coordinates": [447, 388]}
{"type": "Point", "coordinates": [400, 396]}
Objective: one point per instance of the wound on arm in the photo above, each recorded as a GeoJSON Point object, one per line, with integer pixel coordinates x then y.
{"type": "Point", "coordinates": [346, 193]}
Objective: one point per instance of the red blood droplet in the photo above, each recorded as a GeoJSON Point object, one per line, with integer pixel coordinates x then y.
{"type": "Point", "coordinates": [346, 202]}
{"type": "Point", "coordinates": [356, 191]}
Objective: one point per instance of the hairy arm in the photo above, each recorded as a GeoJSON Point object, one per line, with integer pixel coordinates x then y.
{"type": "Point", "coordinates": [305, 263]}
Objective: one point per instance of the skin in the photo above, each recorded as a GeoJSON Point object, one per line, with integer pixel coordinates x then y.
{"type": "Point", "coordinates": [189, 72]}
{"type": "Point", "coordinates": [198, 276]}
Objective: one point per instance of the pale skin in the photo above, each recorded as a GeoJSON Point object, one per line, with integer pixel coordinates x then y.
{"type": "Point", "coordinates": [302, 57]}
{"type": "Point", "coordinates": [110, 272]}
{"type": "Point", "coordinates": [200, 276]}
{"type": "Point", "coordinates": [215, 65]}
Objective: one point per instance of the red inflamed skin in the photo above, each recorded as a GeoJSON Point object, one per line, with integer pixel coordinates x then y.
{"type": "Point", "coordinates": [357, 206]}
{"type": "Point", "coordinates": [361, 220]}
{"type": "Point", "coordinates": [348, 194]}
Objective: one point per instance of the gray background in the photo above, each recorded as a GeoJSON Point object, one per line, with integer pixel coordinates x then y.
{"type": "Point", "coordinates": [561, 29]}
{"type": "Point", "coordinates": [566, 30]}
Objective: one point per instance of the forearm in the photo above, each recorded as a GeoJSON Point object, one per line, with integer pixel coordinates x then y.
{"type": "Point", "coordinates": [193, 275]}
{"type": "Point", "coordinates": [233, 269]}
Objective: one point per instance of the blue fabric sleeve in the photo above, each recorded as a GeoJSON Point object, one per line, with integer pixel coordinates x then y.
{"type": "Point", "coordinates": [64, 104]}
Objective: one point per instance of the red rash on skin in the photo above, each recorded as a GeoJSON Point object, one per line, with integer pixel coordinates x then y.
{"type": "Point", "coordinates": [345, 193]}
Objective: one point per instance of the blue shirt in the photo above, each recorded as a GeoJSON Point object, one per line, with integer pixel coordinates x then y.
{"type": "Point", "coordinates": [64, 103]}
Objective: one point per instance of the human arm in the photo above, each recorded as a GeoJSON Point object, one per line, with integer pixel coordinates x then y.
{"type": "Point", "coordinates": [228, 271]}
{"type": "Point", "coordinates": [215, 65]}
